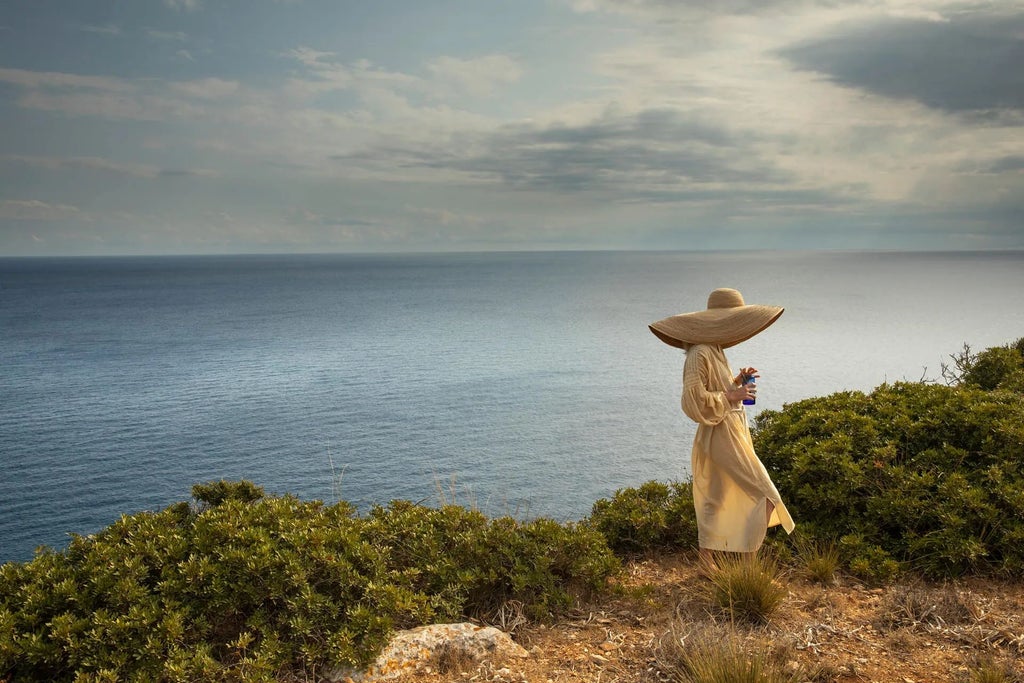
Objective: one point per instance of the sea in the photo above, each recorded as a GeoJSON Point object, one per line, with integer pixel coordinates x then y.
{"type": "Point", "coordinates": [523, 384]}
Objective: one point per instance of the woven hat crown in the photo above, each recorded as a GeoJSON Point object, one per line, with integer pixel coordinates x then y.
{"type": "Point", "coordinates": [725, 298]}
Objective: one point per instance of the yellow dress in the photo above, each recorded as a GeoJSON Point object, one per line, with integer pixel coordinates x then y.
{"type": "Point", "coordinates": [730, 485]}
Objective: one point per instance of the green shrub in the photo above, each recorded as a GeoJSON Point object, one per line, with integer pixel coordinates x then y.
{"type": "Point", "coordinates": [925, 475]}
{"type": "Point", "coordinates": [216, 492]}
{"type": "Point", "coordinates": [1019, 346]}
{"type": "Point", "coordinates": [246, 587]}
{"type": "Point", "coordinates": [650, 517]}
{"type": "Point", "coordinates": [236, 590]}
{"type": "Point", "coordinates": [1000, 367]}
{"type": "Point", "coordinates": [469, 564]}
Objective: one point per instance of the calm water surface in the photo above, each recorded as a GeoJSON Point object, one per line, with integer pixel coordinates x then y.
{"type": "Point", "coordinates": [530, 379]}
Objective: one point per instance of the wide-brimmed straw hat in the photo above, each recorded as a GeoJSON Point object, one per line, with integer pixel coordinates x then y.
{"type": "Point", "coordinates": [726, 322]}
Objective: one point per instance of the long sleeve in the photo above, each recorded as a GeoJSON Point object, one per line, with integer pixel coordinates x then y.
{"type": "Point", "coordinates": [703, 397]}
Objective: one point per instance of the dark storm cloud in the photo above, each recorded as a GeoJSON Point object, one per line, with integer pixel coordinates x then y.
{"type": "Point", "coordinates": [971, 62]}
{"type": "Point", "coordinates": [654, 153]}
{"type": "Point", "coordinates": [1006, 165]}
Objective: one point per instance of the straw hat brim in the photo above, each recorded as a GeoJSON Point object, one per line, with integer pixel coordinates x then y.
{"type": "Point", "coordinates": [724, 327]}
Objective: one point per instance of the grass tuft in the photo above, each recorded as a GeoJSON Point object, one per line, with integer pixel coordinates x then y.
{"type": "Point", "coordinates": [820, 560]}
{"type": "Point", "coordinates": [716, 654]}
{"type": "Point", "coordinates": [746, 588]}
{"type": "Point", "coordinates": [990, 670]}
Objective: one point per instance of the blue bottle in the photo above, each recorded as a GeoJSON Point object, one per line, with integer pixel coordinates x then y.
{"type": "Point", "coordinates": [749, 379]}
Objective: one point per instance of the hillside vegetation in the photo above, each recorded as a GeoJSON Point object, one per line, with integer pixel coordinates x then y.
{"type": "Point", "coordinates": [926, 478]}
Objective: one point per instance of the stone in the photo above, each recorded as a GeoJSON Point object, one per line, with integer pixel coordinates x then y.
{"type": "Point", "coordinates": [439, 646]}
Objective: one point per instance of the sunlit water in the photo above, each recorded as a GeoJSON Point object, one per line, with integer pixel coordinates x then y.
{"type": "Point", "coordinates": [527, 383]}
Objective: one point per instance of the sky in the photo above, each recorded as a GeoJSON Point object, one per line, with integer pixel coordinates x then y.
{"type": "Point", "coordinates": [293, 126]}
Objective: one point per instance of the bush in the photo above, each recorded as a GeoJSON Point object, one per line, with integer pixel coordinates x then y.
{"type": "Point", "coordinates": [1001, 367]}
{"type": "Point", "coordinates": [216, 492]}
{"type": "Point", "coordinates": [246, 587]}
{"type": "Point", "coordinates": [234, 591]}
{"type": "Point", "coordinates": [654, 516]}
{"type": "Point", "coordinates": [925, 475]}
{"type": "Point", "coordinates": [471, 565]}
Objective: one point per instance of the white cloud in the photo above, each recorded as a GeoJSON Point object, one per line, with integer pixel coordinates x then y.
{"type": "Point", "coordinates": [172, 36]}
{"type": "Point", "coordinates": [51, 79]}
{"type": "Point", "coordinates": [183, 5]}
{"type": "Point", "coordinates": [478, 77]}
{"type": "Point", "coordinates": [308, 56]}
{"type": "Point", "coordinates": [186, 55]}
{"type": "Point", "coordinates": [87, 163]}
{"type": "Point", "coordinates": [107, 29]}
{"type": "Point", "coordinates": [105, 165]}
{"type": "Point", "coordinates": [35, 210]}
{"type": "Point", "coordinates": [130, 106]}
{"type": "Point", "coordinates": [207, 88]}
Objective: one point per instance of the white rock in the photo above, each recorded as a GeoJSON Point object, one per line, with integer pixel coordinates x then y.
{"type": "Point", "coordinates": [416, 648]}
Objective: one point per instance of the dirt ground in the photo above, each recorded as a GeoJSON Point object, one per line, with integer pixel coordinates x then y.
{"type": "Point", "coordinates": [845, 632]}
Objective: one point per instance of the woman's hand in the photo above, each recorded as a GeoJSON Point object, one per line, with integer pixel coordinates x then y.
{"type": "Point", "coordinates": [743, 391]}
{"type": "Point", "coordinates": [748, 372]}
{"type": "Point", "coordinates": [740, 393]}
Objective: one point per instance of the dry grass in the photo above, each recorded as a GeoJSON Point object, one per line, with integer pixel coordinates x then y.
{"type": "Point", "coordinates": [714, 653]}
{"type": "Point", "coordinates": [820, 560]}
{"type": "Point", "coordinates": [971, 631]}
{"type": "Point", "coordinates": [747, 589]}
{"type": "Point", "coordinates": [989, 669]}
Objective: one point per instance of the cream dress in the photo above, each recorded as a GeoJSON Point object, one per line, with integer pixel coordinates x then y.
{"type": "Point", "coordinates": [731, 487]}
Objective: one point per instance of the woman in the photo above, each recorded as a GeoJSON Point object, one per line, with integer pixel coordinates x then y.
{"type": "Point", "coordinates": [734, 498]}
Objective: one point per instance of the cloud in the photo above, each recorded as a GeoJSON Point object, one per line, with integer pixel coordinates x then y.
{"type": "Point", "coordinates": [444, 76]}
{"type": "Point", "coordinates": [329, 75]}
{"type": "Point", "coordinates": [478, 77]}
{"type": "Point", "coordinates": [104, 165]}
{"type": "Point", "coordinates": [188, 173]}
{"type": "Point", "coordinates": [1008, 164]}
{"type": "Point", "coordinates": [207, 88]}
{"type": "Point", "coordinates": [35, 210]}
{"type": "Point", "coordinates": [668, 10]}
{"type": "Point", "coordinates": [107, 29]}
{"type": "Point", "coordinates": [646, 154]}
{"type": "Point", "coordinates": [971, 61]}
{"type": "Point", "coordinates": [447, 217]}
{"type": "Point", "coordinates": [186, 55]}
{"type": "Point", "coordinates": [183, 5]}
{"type": "Point", "coordinates": [175, 36]}
{"type": "Point", "coordinates": [121, 99]}
{"type": "Point", "coordinates": [51, 79]}
{"type": "Point", "coordinates": [308, 56]}
{"type": "Point", "coordinates": [132, 106]}
{"type": "Point", "coordinates": [658, 123]}
{"type": "Point", "coordinates": [86, 163]}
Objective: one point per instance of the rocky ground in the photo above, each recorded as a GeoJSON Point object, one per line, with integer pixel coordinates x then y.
{"type": "Point", "coordinates": [844, 632]}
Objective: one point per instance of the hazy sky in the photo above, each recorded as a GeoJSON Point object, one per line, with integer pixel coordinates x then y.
{"type": "Point", "coordinates": [210, 126]}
